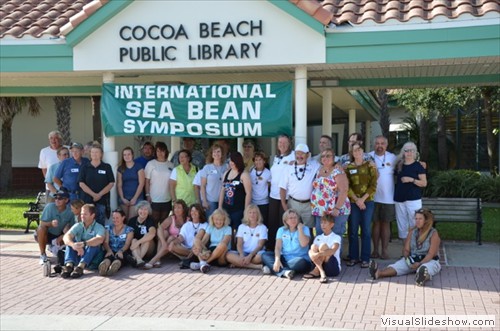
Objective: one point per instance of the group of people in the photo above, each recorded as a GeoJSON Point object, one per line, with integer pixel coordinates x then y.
{"type": "Point", "coordinates": [233, 209]}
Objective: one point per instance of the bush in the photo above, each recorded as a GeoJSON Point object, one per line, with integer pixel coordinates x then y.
{"type": "Point", "coordinates": [463, 184]}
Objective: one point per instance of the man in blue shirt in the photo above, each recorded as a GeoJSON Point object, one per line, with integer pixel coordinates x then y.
{"type": "Point", "coordinates": [67, 174]}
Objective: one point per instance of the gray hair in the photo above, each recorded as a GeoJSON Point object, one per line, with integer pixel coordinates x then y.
{"type": "Point", "coordinates": [144, 204]}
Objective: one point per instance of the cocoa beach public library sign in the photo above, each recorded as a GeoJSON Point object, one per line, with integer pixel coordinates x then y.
{"type": "Point", "coordinates": [208, 111]}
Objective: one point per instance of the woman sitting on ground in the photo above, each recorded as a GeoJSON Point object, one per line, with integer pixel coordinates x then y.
{"type": "Point", "coordinates": [250, 240]}
{"type": "Point", "coordinates": [420, 252]}
{"type": "Point", "coordinates": [143, 244]}
{"type": "Point", "coordinates": [116, 244]}
{"type": "Point", "coordinates": [292, 243]}
{"type": "Point", "coordinates": [168, 231]}
{"type": "Point", "coordinates": [217, 238]}
{"type": "Point", "coordinates": [325, 251]}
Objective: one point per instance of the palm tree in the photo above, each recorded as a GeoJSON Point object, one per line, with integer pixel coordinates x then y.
{"type": "Point", "coordinates": [9, 108]}
{"type": "Point", "coordinates": [63, 115]}
{"type": "Point", "coordinates": [385, 117]}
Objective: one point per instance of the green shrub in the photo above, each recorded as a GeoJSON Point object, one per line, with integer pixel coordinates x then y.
{"type": "Point", "coordinates": [452, 183]}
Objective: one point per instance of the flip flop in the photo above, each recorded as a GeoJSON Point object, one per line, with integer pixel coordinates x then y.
{"type": "Point", "coordinates": [323, 280]}
{"type": "Point", "coordinates": [352, 263]}
{"type": "Point", "coordinates": [310, 276]}
{"type": "Point", "coordinates": [375, 255]}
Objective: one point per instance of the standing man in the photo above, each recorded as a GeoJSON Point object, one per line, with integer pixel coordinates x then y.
{"type": "Point", "coordinates": [296, 183]}
{"type": "Point", "coordinates": [324, 142]}
{"type": "Point", "coordinates": [62, 154]}
{"type": "Point", "coordinates": [48, 157]}
{"type": "Point", "coordinates": [67, 174]}
{"type": "Point", "coordinates": [197, 157]}
{"type": "Point", "coordinates": [148, 154]}
{"type": "Point", "coordinates": [384, 212]}
{"type": "Point", "coordinates": [56, 220]}
{"type": "Point", "coordinates": [354, 137]}
{"type": "Point", "coordinates": [83, 242]}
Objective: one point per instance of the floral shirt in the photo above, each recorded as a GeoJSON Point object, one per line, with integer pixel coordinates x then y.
{"type": "Point", "coordinates": [325, 194]}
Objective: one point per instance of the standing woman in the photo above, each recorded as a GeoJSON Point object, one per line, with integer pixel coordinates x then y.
{"type": "Point", "coordinates": [410, 178]}
{"type": "Point", "coordinates": [282, 159]}
{"type": "Point", "coordinates": [157, 179]}
{"type": "Point", "coordinates": [211, 178]}
{"type": "Point", "coordinates": [181, 179]}
{"type": "Point", "coordinates": [362, 186]}
{"type": "Point", "coordinates": [261, 182]}
{"type": "Point", "coordinates": [116, 244]}
{"type": "Point", "coordinates": [96, 179]}
{"type": "Point", "coordinates": [236, 194]}
{"type": "Point", "coordinates": [329, 195]}
{"type": "Point", "coordinates": [130, 182]}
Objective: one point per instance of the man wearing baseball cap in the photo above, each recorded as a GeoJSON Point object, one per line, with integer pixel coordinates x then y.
{"type": "Point", "coordinates": [67, 174]}
{"type": "Point", "coordinates": [56, 219]}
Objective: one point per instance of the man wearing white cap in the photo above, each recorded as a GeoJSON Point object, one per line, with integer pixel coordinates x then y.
{"type": "Point", "coordinates": [296, 185]}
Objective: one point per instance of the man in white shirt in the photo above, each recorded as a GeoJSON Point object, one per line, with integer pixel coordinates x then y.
{"type": "Point", "coordinates": [384, 212]}
{"type": "Point", "coordinates": [48, 157]}
{"type": "Point", "coordinates": [296, 185]}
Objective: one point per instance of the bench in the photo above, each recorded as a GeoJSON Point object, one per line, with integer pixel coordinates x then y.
{"type": "Point", "coordinates": [35, 210]}
{"type": "Point", "coordinates": [467, 210]}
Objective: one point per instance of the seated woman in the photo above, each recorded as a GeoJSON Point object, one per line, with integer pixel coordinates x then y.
{"type": "Point", "coordinates": [183, 244]}
{"type": "Point", "coordinates": [116, 244]}
{"type": "Point", "coordinates": [325, 252]}
{"type": "Point", "coordinates": [217, 237]}
{"type": "Point", "coordinates": [290, 254]}
{"type": "Point", "coordinates": [168, 231]}
{"type": "Point", "coordinates": [420, 252]}
{"type": "Point", "coordinates": [143, 244]}
{"type": "Point", "coordinates": [250, 240]}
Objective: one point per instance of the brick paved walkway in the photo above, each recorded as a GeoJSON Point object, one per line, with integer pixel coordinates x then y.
{"type": "Point", "coordinates": [349, 302]}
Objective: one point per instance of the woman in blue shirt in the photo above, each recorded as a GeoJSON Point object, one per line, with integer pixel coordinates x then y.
{"type": "Point", "coordinates": [130, 181]}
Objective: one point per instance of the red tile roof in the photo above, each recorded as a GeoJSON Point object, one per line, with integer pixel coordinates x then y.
{"type": "Point", "coordinates": [38, 18]}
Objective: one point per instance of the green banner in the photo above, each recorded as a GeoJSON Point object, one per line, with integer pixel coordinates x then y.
{"type": "Point", "coordinates": [205, 111]}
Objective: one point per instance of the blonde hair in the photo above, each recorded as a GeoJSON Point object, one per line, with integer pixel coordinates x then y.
{"type": "Point", "coordinates": [428, 223]}
{"type": "Point", "coordinates": [287, 214]}
{"type": "Point", "coordinates": [219, 212]}
{"type": "Point", "coordinates": [245, 221]}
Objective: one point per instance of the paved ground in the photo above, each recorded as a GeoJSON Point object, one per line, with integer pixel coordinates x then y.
{"type": "Point", "coordinates": [169, 298]}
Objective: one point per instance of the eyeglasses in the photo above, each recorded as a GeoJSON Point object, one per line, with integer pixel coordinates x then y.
{"type": "Point", "coordinates": [409, 150]}
{"type": "Point", "coordinates": [326, 155]}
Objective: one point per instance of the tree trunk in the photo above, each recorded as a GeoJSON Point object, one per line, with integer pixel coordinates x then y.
{"type": "Point", "coordinates": [96, 118]}
{"type": "Point", "coordinates": [6, 167]}
{"type": "Point", "coordinates": [491, 142]}
{"type": "Point", "coordinates": [385, 118]}
{"type": "Point", "coordinates": [63, 114]}
{"type": "Point", "coordinates": [424, 139]}
{"type": "Point", "coordinates": [441, 140]}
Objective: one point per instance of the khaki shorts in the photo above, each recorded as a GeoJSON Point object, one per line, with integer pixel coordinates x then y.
{"type": "Point", "coordinates": [384, 212]}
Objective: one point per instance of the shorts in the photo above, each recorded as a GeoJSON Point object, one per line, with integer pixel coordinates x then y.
{"type": "Point", "coordinates": [331, 267]}
{"type": "Point", "coordinates": [161, 206]}
{"type": "Point", "coordinates": [384, 212]}
{"type": "Point", "coordinates": [246, 254]}
{"type": "Point", "coordinates": [51, 237]}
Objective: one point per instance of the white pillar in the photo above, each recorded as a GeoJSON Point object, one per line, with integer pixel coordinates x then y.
{"type": "Point", "coordinates": [327, 112]}
{"type": "Point", "coordinates": [352, 121]}
{"type": "Point", "coordinates": [239, 142]}
{"type": "Point", "coordinates": [301, 105]}
{"type": "Point", "coordinates": [175, 145]}
{"type": "Point", "coordinates": [273, 150]}
{"type": "Point", "coordinates": [108, 146]}
{"type": "Point", "coordinates": [368, 129]}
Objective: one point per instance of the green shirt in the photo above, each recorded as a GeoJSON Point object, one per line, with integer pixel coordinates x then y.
{"type": "Point", "coordinates": [362, 179]}
{"type": "Point", "coordinates": [81, 233]}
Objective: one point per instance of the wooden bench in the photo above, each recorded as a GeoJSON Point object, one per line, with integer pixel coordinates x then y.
{"type": "Point", "coordinates": [35, 210]}
{"type": "Point", "coordinates": [467, 210]}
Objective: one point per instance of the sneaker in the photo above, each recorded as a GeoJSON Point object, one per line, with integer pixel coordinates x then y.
{"type": "Point", "coordinates": [77, 272]}
{"type": "Point", "coordinates": [43, 259]}
{"type": "Point", "coordinates": [103, 267]}
{"type": "Point", "coordinates": [66, 271]}
{"type": "Point", "coordinates": [147, 266]}
{"type": "Point", "coordinates": [184, 264]}
{"type": "Point", "coordinates": [141, 265]}
{"type": "Point", "coordinates": [205, 268]}
{"type": "Point", "coordinates": [46, 269]}
{"type": "Point", "coordinates": [157, 264]}
{"type": "Point", "coordinates": [373, 267]}
{"type": "Point", "coordinates": [194, 266]}
{"type": "Point", "coordinates": [57, 269]}
{"type": "Point", "coordinates": [422, 276]}
{"type": "Point", "coordinates": [289, 274]}
{"type": "Point", "coordinates": [266, 270]}
{"type": "Point", "coordinates": [114, 267]}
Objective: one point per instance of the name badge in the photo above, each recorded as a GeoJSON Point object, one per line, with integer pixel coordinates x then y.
{"type": "Point", "coordinates": [75, 170]}
{"type": "Point", "coordinates": [144, 230]}
{"type": "Point", "coordinates": [236, 182]}
{"type": "Point", "coordinates": [123, 236]}
{"type": "Point", "coordinates": [91, 233]}
{"type": "Point", "coordinates": [213, 172]}
{"type": "Point", "coordinates": [353, 171]}
{"type": "Point", "coordinates": [101, 172]}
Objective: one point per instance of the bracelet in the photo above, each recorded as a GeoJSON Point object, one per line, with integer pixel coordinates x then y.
{"type": "Point", "coordinates": [147, 194]}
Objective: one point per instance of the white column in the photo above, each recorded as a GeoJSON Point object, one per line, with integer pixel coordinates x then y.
{"type": "Point", "coordinates": [368, 129]}
{"type": "Point", "coordinates": [352, 121]}
{"type": "Point", "coordinates": [108, 146]}
{"type": "Point", "coordinates": [239, 142]}
{"type": "Point", "coordinates": [327, 112]}
{"type": "Point", "coordinates": [175, 145]}
{"type": "Point", "coordinates": [301, 105]}
{"type": "Point", "coordinates": [273, 150]}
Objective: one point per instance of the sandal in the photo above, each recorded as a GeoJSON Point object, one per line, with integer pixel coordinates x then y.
{"type": "Point", "coordinates": [66, 271]}
{"type": "Point", "coordinates": [351, 263]}
{"type": "Point", "coordinates": [422, 276]}
{"type": "Point", "coordinates": [77, 273]}
{"type": "Point", "coordinates": [157, 264]}
{"type": "Point", "coordinates": [310, 276]}
{"type": "Point", "coordinates": [323, 280]}
{"type": "Point", "coordinates": [365, 264]}
{"type": "Point", "coordinates": [373, 269]}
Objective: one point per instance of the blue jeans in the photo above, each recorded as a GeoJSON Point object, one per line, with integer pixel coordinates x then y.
{"type": "Point", "coordinates": [100, 214]}
{"type": "Point", "coordinates": [297, 264]}
{"type": "Point", "coordinates": [71, 256]}
{"type": "Point", "coordinates": [339, 227]}
{"type": "Point", "coordinates": [235, 216]}
{"type": "Point", "coordinates": [363, 219]}
{"type": "Point", "coordinates": [212, 206]}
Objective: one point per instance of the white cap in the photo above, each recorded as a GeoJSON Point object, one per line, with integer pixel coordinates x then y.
{"type": "Point", "coordinates": [302, 148]}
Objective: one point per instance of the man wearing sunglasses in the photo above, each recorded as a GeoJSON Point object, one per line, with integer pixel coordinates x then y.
{"type": "Point", "coordinates": [56, 219]}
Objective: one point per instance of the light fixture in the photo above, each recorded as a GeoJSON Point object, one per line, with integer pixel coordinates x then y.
{"type": "Point", "coordinates": [323, 82]}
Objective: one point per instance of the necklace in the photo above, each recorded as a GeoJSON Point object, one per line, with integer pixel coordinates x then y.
{"type": "Point", "coordinates": [279, 158]}
{"type": "Point", "coordinates": [302, 171]}
{"type": "Point", "coordinates": [326, 171]}
{"type": "Point", "coordinates": [258, 176]}
{"type": "Point", "coordinates": [195, 228]}
{"type": "Point", "coordinates": [383, 161]}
